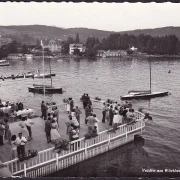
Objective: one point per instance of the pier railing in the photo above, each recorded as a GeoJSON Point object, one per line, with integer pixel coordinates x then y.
{"type": "Point", "coordinates": [77, 152]}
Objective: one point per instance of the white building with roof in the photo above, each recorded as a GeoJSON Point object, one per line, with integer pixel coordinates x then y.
{"type": "Point", "coordinates": [72, 47]}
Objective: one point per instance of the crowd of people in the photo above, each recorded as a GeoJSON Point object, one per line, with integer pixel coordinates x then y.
{"type": "Point", "coordinates": [112, 113]}
{"type": "Point", "coordinates": [116, 114]}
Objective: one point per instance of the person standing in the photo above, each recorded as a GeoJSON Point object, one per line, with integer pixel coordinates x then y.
{"type": "Point", "coordinates": [48, 129]}
{"type": "Point", "coordinates": [78, 112]}
{"type": "Point", "coordinates": [68, 105]}
{"type": "Point", "coordinates": [22, 124]}
{"type": "Point", "coordinates": [90, 122]}
{"type": "Point", "coordinates": [1, 134]}
{"type": "Point", "coordinates": [83, 100]}
{"type": "Point", "coordinates": [56, 113]}
{"type": "Point", "coordinates": [111, 115]}
{"type": "Point", "coordinates": [71, 104]}
{"type": "Point", "coordinates": [88, 111]}
{"type": "Point", "coordinates": [96, 121]}
{"type": "Point", "coordinates": [7, 135]}
{"type": "Point", "coordinates": [28, 126]}
{"type": "Point", "coordinates": [44, 110]}
{"type": "Point", "coordinates": [55, 135]}
{"type": "Point", "coordinates": [104, 113]}
{"type": "Point", "coordinates": [20, 141]}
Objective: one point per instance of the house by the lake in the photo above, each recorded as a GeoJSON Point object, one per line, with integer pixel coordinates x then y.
{"type": "Point", "coordinates": [72, 47]}
{"type": "Point", "coordinates": [111, 53]}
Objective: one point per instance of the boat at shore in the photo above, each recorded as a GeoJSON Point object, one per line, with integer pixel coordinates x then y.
{"type": "Point", "coordinates": [27, 75]}
{"type": "Point", "coordinates": [40, 88]}
{"type": "Point", "coordinates": [4, 63]}
{"type": "Point", "coordinates": [141, 94]}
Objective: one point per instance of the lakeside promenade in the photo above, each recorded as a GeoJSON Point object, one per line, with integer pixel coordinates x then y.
{"type": "Point", "coordinates": [39, 141]}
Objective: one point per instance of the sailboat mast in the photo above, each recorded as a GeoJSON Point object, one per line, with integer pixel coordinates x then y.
{"type": "Point", "coordinates": [50, 71]}
{"type": "Point", "coordinates": [43, 68]}
{"type": "Point", "coordinates": [150, 73]}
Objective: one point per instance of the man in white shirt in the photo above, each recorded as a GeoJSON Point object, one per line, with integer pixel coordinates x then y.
{"type": "Point", "coordinates": [20, 141]}
{"type": "Point", "coordinates": [28, 125]}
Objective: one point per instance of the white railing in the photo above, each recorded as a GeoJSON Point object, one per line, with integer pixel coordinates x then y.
{"type": "Point", "coordinates": [81, 145]}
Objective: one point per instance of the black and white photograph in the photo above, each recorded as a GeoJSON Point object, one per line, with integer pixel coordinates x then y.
{"type": "Point", "coordinates": [89, 89]}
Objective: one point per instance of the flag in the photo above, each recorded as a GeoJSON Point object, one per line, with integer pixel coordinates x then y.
{"type": "Point", "coordinates": [42, 44]}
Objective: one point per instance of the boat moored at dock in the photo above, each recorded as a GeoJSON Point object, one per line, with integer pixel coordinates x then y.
{"type": "Point", "coordinates": [4, 63]}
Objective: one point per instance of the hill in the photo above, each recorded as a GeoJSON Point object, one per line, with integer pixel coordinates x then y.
{"type": "Point", "coordinates": [30, 33]}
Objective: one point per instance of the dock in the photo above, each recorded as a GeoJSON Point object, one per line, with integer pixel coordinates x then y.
{"type": "Point", "coordinates": [49, 160]}
{"type": "Point", "coordinates": [39, 141]}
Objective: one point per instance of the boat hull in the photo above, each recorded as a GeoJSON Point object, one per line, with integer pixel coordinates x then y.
{"type": "Point", "coordinates": [49, 90]}
{"type": "Point", "coordinates": [144, 96]}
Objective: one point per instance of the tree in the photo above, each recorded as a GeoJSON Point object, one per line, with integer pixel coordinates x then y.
{"type": "Point", "coordinates": [77, 38]}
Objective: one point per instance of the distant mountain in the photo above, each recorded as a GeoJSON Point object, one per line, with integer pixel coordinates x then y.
{"type": "Point", "coordinates": [29, 33]}
{"type": "Point", "coordinates": [40, 32]}
{"type": "Point", "coordinates": [156, 32]}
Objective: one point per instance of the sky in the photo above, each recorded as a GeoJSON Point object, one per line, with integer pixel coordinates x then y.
{"type": "Point", "coordinates": [103, 16]}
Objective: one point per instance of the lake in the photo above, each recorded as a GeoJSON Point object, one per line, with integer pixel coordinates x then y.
{"type": "Point", "coordinates": [111, 78]}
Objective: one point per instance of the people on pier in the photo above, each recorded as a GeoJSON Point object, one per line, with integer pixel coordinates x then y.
{"type": "Point", "coordinates": [96, 122]}
{"type": "Point", "coordinates": [68, 105]}
{"type": "Point", "coordinates": [88, 111]}
{"type": "Point", "coordinates": [21, 141]}
{"type": "Point", "coordinates": [44, 110]}
{"type": "Point", "coordinates": [111, 114]}
{"type": "Point", "coordinates": [1, 133]}
{"type": "Point", "coordinates": [71, 102]}
{"type": "Point", "coordinates": [48, 129]}
{"type": "Point", "coordinates": [20, 106]}
{"type": "Point", "coordinates": [56, 113]}
{"type": "Point", "coordinates": [104, 113]}
{"type": "Point", "coordinates": [29, 123]}
{"type": "Point", "coordinates": [23, 127]}
{"type": "Point", "coordinates": [7, 135]}
{"type": "Point", "coordinates": [90, 122]}
{"type": "Point", "coordinates": [78, 112]}
{"type": "Point", "coordinates": [55, 135]}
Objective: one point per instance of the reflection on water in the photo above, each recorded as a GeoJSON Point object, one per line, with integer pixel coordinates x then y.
{"type": "Point", "coordinates": [111, 78]}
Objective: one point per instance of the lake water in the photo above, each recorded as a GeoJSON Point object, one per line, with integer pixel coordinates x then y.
{"type": "Point", "coordinates": [111, 78]}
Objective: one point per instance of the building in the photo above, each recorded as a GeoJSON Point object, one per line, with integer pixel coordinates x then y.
{"type": "Point", "coordinates": [53, 45]}
{"type": "Point", "coordinates": [111, 53]}
{"type": "Point", "coordinates": [134, 49]}
{"type": "Point", "coordinates": [72, 47]}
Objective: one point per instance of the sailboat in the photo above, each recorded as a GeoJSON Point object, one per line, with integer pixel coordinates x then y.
{"type": "Point", "coordinates": [147, 94]}
{"type": "Point", "coordinates": [42, 88]}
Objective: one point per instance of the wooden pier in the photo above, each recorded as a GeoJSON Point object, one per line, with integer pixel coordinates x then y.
{"type": "Point", "coordinates": [48, 160]}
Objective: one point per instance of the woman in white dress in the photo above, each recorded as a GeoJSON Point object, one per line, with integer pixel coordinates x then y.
{"type": "Point", "coordinates": [24, 130]}
{"type": "Point", "coordinates": [55, 135]}
{"type": "Point", "coordinates": [116, 118]}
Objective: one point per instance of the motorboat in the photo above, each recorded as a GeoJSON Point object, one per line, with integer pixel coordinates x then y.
{"type": "Point", "coordinates": [4, 63]}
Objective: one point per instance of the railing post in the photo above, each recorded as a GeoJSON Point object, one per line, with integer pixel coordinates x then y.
{"type": "Point", "coordinates": [57, 160]}
{"type": "Point", "coordinates": [141, 125]}
{"type": "Point", "coordinates": [109, 140]}
{"type": "Point", "coordinates": [126, 131]}
{"type": "Point", "coordinates": [25, 170]}
{"type": "Point", "coordinates": [85, 145]}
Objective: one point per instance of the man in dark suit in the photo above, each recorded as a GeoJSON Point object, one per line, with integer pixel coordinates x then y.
{"type": "Point", "coordinates": [48, 130]}
{"type": "Point", "coordinates": [1, 134]}
{"type": "Point", "coordinates": [43, 110]}
{"type": "Point", "coordinates": [111, 115]}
